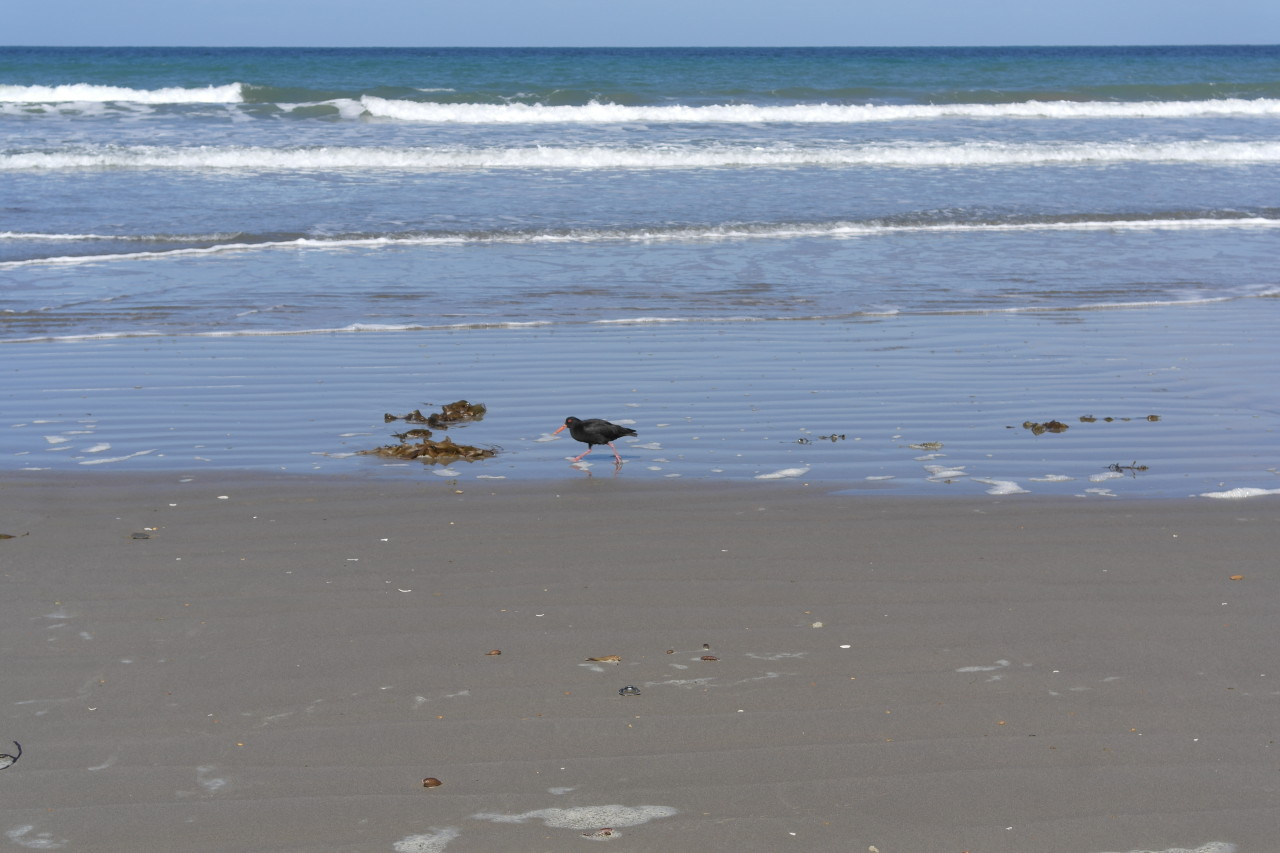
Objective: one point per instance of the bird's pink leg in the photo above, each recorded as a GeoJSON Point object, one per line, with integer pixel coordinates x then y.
{"type": "Point", "coordinates": [589, 449]}
{"type": "Point", "coordinates": [615, 452]}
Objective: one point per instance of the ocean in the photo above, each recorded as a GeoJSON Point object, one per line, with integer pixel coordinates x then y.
{"type": "Point", "coordinates": [867, 269]}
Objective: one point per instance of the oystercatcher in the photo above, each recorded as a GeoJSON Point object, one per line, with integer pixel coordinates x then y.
{"type": "Point", "coordinates": [594, 431]}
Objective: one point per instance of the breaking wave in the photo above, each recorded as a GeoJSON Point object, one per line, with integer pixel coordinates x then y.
{"type": "Point", "coordinates": [405, 110]}
{"type": "Point", "coordinates": [232, 93]}
{"type": "Point", "coordinates": [674, 156]}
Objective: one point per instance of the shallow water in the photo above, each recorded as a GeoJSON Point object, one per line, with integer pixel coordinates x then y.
{"type": "Point", "coordinates": [844, 404]}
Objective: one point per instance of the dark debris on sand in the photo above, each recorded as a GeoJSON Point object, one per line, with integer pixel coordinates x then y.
{"type": "Point", "coordinates": [418, 443]}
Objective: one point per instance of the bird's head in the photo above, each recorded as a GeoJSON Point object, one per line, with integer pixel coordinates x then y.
{"type": "Point", "coordinates": [568, 422]}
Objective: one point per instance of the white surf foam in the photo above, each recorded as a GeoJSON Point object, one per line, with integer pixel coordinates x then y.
{"type": "Point", "coordinates": [231, 93]}
{"type": "Point", "coordinates": [1001, 487]}
{"type": "Point", "coordinates": [1240, 492]}
{"type": "Point", "coordinates": [584, 817]}
{"type": "Point", "coordinates": [804, 113]}
{"type": "Point", "coordinates": [117, 458]}
{"type": "Point", "coordinates": [36, 236]}
{"type": "Point", "coordinates": [433, 840]}
{"type": "Point", "coordinates": [833, 230]}
{"type": "Point", "coordinates": [783, 474]}
{"type": "Point", "coordinates": [716, 156]}
{"type": "Point", "coordinates": [23, 837]}
{"type": "Point", "coordinates": [1211, 847]}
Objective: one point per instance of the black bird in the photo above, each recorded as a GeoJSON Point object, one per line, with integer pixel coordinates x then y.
{"type": "Point", "coordinates": [595, 431]}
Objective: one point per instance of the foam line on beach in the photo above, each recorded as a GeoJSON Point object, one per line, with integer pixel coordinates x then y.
{"type": "Point", "coordinates": [727, 232]}
{"type": "Point", "coordinates": [434, 840]}
{"type": "Point", "coordinates": [733, 231]}
{"type": "Point", "coordinates": [357, 328]}
{"type": "Point", "coordinates": [656, 157]}
{"type": "Point", "coordinates": [1211, 847]}
{"type": "Point", "coordinates": [584, 817]}
{"type": "Point", "coordinates": [36, 236]}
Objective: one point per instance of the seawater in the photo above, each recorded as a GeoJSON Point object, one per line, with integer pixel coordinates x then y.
{"type": "Point", "coordinates": [198, 194]}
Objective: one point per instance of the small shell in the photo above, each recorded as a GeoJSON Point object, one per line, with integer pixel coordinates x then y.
{"type": "Point", "coordinates": [7, 760]}
{"type": "Point", "coordinates": [431, 782]}
{"type": "Point", "coordinates": [1236, 577]}
{"type": "Point", "coordinates": [494, 652]}
{"type": "Point", "coordinates": [607, 659]}
{"type": "Point", "coordinates": [607, 832]}
{"type": "Point", "coordinates": [710, 657]}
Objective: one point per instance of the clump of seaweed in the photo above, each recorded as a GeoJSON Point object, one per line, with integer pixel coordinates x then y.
{"type": "Point", "coordinates": [832, 438]}
{"type": "Point", "coordinates": [1047, 426]}
{"type": "Point", "coordinates": [457, 412]}
{"type": "Point", "coordinates": [1133, 469]}
{"type": "Point", "coordinates": [1091, 419]}
{"type": "Point", "coordinates": [418, 443]}
{"type": "Point", "coordinates": [413, 433]}
{"type": "Point", "coordinates": [427, 450]}
{"type": "Point", "coordinates": [414, 417]}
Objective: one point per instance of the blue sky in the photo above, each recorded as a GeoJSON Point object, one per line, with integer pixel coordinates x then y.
{"type": "Point", "coordinates": [639, 22]}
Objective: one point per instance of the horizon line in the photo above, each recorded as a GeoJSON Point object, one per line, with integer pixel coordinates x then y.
{"type": "Point", "coordinates": [639, 47]}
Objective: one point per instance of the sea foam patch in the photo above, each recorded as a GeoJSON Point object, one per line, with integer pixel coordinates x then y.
{"type": "Point", "coordinates": [433, 840]}
{"type": "Point", "coordinates": [584, 817]}
{"type": "Point", "coordinates": [783, 473]}
{"type": "Point", "coordinates": [1211, 847]}
{"type": "Point", "coordinates": [1241, 492]}
{"type": "Point", "coordinates": [118, 458]}
{"type": "Point", "coordinates": [24, 837]}
{"type": "Point", "coordinates": [1001, 487]}
{"type": "Point", "coordinates": [1000, 664]}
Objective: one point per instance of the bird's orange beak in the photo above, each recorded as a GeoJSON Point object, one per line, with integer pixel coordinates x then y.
{"type": "Point", "coordinates": [557, 432]}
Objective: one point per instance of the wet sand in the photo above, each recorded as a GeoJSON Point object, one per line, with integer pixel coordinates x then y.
{"type": "Point", "coordinates": [283, 659]}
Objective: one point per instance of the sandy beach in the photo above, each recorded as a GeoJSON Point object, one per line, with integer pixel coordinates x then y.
{"type": "Point", "coordinates": [949, 523]}
{"type": "Point", "coordinates": [232, 661]}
